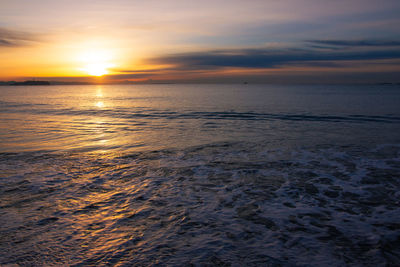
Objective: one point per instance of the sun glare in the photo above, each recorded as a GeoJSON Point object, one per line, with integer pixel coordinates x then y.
{"type": "Point", "coordinates": [96, 63]}
{"type": "Point", "coordinates": [97, 69]}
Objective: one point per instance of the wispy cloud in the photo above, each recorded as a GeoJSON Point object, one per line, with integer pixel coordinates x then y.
{"type": "Point", "coordinates": [13, 38]}
{"type": "Point", "coordinates": [358, 43]}
{"type": "Point", "coordinates": [4, 42]}
{"type": "Point", "coordinates": [273, 58]}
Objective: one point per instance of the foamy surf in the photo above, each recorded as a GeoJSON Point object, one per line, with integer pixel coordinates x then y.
{"type": "Point", "coordinates": [220, 204]}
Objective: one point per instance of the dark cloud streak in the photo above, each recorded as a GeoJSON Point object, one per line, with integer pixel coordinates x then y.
{"type": "Point", "coordinates": [357, 43]}
{"type": "Point", "coordinates": [4, 42]}
{"type": "Point", "coordinates": [268, 58]}
{"type": "Point", "coordinates": [13, 38]}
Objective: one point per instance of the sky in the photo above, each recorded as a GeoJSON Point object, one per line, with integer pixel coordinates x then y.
{"type": "Point", "coordinates": [277, 41]}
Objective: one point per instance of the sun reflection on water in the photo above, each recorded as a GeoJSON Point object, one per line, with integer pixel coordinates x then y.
{"type": "Point", "coordinates": [99, 92]}
{"type": "Point", "coordinates": [99, 97]}
{"type": "Point", "coordinates": [99, 104]}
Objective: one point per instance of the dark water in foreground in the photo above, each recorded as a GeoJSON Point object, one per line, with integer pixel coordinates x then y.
{"type": "Point", "coordinates": [208, 175]}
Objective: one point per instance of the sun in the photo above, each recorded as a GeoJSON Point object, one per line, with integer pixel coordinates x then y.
{"type": "Point", "coordinates": [96, 62]}
{"type": "Point", "coordinates": [97, 69]}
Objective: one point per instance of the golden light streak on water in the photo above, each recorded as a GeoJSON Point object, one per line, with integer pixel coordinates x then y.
{"type": "Point", "coordinates": [99, 104]}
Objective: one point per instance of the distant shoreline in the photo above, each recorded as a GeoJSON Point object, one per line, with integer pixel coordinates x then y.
{"type": "Point", "coordinates": [49, 83]}
{"type": "Point", "coordinates": [31, 83]}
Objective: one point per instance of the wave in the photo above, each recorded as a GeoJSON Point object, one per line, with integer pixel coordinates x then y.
{"type": "Point", "coordinates": [222, 203]}
{"type": "Point", "coordinates": [128, 113]}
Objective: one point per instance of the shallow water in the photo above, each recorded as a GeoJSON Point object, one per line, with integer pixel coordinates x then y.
{"type": "Point", "coordinates": [200, 174]}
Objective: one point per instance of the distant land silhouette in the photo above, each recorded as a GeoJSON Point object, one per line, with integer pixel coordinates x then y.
{"type": "Point", "coordinates": [25, 83]}
{"type": "Point", "coordinates": [32, 82]}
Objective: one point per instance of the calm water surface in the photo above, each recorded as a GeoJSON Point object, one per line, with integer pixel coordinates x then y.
{"type": "Point", "coordinates": [215, 175]}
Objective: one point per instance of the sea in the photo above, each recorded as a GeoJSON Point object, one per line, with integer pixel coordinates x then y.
{"type": "Point", "coordinates": [200, 175]}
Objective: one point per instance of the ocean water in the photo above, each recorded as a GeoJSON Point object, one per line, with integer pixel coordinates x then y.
{"type": "Point", "coordinates": [200, 175]}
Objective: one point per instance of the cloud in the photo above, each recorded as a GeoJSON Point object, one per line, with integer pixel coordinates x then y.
{"type": "Point", "coordinates": [13, 38]}
{"type": "Point", "coordinates": [127, 75]}
{"type": "Point", "coordinates": [274, 58]}
{"type": "Point", "coordinates": [4, 42]}
{"type": "Point", "coordinates": [137, 71]}
{"type": "Point", "coordinates": [357, 43]}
